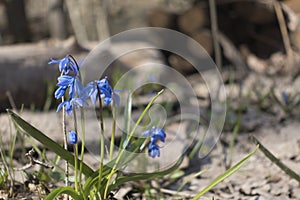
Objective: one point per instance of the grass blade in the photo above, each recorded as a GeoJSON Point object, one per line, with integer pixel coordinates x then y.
{"type": "Point", "coordinates": [48, 142]}
{"type": "Point", "coordinates": [143, 176]}
{"type": "Point", "coordinates": [275, 160]}
{"type": "Point", "coordinates": [226, 174]}
{"type": "Point", "coordinates": [63, 190]}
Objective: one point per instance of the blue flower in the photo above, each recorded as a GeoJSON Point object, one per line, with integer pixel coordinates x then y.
{"type": "Point", "coordinates": [153, 150]}
{"type": "Point", "coordinates": [60, 92]}
{"type": "Point", "coordinates": [106, 92]}
{"type": "Point", "coordinates": [72, 137]}
{"type": "Point", "coordinates": [66, 65]}
{"type": "Point", "coordinates": [70, 104]}
{"type": "Point", "coordinates": [71, 82]}
{"type": "Point", "coordinates": [155, 134]}
{"type": "Point", "coordinates": [158, 134]}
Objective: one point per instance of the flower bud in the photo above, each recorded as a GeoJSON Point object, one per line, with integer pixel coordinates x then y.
{"type": "Point", "coordinates": [72, 137]}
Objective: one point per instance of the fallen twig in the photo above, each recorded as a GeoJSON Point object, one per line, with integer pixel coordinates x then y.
{"type": "Point", "coordinates": [32, 162]}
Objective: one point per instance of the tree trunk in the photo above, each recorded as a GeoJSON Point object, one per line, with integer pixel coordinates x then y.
{"type": "Point", "coordinates": [17, 20]}
{"type": "Point", "coordinates": [57, 19]}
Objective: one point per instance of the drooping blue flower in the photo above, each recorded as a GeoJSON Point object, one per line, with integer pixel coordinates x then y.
{"type": "Point", "coordinates": [66, 65]}
{"type": "Point", "coordinates": [60, 92]}
{"type": "Point", "coordinates": [153, 150]}
{"type": "Point", "coordinates": [72, 137]}
{"type": "Point", "coordinates": [155, 134]}
{"type": "Point", "coordinates": [158, 134]}
{"type": "Point", "coordinates": [71, 82]}
{"type": "Point", "coordinates": [106, 92]}
{"type": "Point", "coordinates": [71, 104]}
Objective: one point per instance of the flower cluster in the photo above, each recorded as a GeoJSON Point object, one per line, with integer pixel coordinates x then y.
{"type": "Point", "coordinates": [70, 80]}
{"type": "Point", "coordinates": [155, 134]}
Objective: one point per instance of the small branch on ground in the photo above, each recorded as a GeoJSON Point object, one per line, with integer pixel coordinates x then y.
{"type": "Point", "coordinates": [32, 162]}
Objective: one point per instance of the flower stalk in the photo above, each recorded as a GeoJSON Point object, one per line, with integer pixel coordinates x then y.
{"type": "Point", "coordinates": [100, 112]}
{"type": "Point", "coordinates": [120, 155]}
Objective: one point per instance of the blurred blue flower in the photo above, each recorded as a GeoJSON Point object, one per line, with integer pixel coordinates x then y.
{"type": "Point", "coordinates": [66, 65]}
{"type": "Point", "coordinates": [285, 97]}
{"type": "Point", "coordinates": [72, 137]}
{"type": "Point", "coordinates": [155, 134]}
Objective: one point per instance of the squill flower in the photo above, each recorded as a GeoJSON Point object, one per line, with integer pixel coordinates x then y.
{"type": "Point", "coordinates": [106, 92]}
{"type": "Point", "coordinates": [66, 65]}
{"type": "Point", "coordinates": [155, 134]}
{"type": "Point", "coordinates": [72, 104]}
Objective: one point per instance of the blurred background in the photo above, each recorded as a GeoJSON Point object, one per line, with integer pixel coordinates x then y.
{"type": "Point", "coordinates": [262, 36]}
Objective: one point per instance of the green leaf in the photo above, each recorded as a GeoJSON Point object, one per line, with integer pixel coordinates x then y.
{"type": "Point", "coordinates": [275, 160]}
{"type": "Point", "coordinates": [3, 176]}
{"type": "Point", "coordinates": [143, 176]}
{"type": "Point", "coordinates": [127, 157]}
{"type": "Point", "coordinates": [189, 179]}
{"type": "Point", "coordinates": [48, 142]}
{"type": "Point", "coordinates": [57, 176]}
{"type": "Point", "coordinates": [226, 174]}
{"type": "Point", "coordinates": [63, 190]}
{"type": "Point", "coordinates": [176, 174]}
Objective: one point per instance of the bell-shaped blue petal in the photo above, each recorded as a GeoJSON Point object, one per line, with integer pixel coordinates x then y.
{"type": "Point", "coordinates": [153, 150]}
{"type": "Point", "coordinates": [67, 104]}
{"type": "Point", "coordinates": [72, 104]}
{"type": "Point", "coordinates": [116, 97]}
{"type": "Point", "coordinates": [62, 104]}
{"type": "Point", "coordinates": [103, 86]}
{"type": "Point", "coordinates": [79, 89]}
{"type": "Point", "coordinates": [158, 134]}
{"type": "Point", "coordinates": [79, 102]}
{"type": "Point", "coordinates": [155, 134]}
{"type": "Point", "coordinates": [52, 61]}
{"type": "Point", "coordinates": [65, 80]}
{"type": "Point", "coordinates": [147, 133]}
{"type": "Point", "coordinates": [60, 92]}
{"type": "Point", "coordinates": [66, 65]}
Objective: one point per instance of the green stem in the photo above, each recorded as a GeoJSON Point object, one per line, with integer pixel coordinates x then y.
{"type": "Point", "coordinates": [76, 167]}
{"type": "Point", "coordinates": [129, 138]}
{"type": "Point", "coordinates": [234, 136]}
{"type": "Point", "coordinates": [65, 142]}
{"type": "Point", "coordinates": [112, 139]}
{"type": "Point", "coordinates": [82, 132]}
{"type": "Point", "coordinates": [76, 153]}
{"type": "Point", "coordinates": [82, 143]}
{"type": "Point", "coordinates": [101, 138]}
